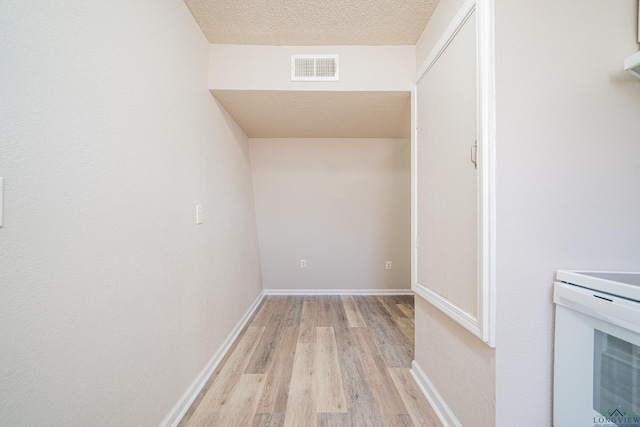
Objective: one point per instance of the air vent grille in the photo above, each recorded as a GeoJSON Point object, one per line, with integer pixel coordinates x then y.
{"type": "Point", "coordinates": [314, 68]}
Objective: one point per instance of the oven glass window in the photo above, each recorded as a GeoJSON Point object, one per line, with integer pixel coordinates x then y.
{"type": "Point", "coordinates": [616, 376]}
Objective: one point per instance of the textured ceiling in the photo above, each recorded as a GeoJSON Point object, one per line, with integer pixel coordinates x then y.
{"type": "Point", "coordinates": [312, 22]}
{"type": "Point", "coordinates": [319, 114]}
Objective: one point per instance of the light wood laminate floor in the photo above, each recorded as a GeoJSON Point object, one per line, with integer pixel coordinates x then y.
{"type": "Point", "coordinates": [318, 361]}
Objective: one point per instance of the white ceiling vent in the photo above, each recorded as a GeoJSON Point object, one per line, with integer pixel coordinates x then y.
{"type": "Point", "coordinates": [314, 68]}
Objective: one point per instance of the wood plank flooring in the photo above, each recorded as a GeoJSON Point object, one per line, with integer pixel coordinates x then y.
{"type": "Point", "coordinates": [318, 361]}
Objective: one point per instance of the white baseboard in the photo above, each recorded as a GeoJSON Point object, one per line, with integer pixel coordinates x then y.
{"type": "Point", "coordinates": [440, 407]}
{"type": "Point", "coordinates": [338, 292]}
{"type": "Point", "coordinates": [181, 407]}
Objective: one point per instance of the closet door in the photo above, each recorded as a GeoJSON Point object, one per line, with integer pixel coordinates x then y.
{"type": "Point", "coordinates": [447, 179]}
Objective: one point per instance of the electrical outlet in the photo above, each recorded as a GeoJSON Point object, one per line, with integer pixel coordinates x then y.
{"type": "Point", "coordinates": [198, 214]}
{"type": "Point", "coordinates": [388, 265]}
{"type": "Point", "coordinates": [303, 263]}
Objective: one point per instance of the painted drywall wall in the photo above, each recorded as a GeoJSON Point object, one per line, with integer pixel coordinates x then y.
{"type": "Point", "coordinates": [112, 299]}
{"type": "Point", "coordinates": [460, 366]}
{"type": "Point", "coordinates": [362, 68]}
{"type": "Point", "coordinates": [343, 205]}
{"type": "Point", "coordinates": [568, 174]}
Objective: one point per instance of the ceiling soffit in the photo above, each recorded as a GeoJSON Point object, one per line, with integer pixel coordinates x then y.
{"type": "Point", "coordinates": [315, 114]}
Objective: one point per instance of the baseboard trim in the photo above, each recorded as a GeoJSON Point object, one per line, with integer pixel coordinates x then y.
{"type": "Point", "coordinates": [338, 292]}
{"type": "Point", "coordinates": [181, 407]}
{"type": "Point", "coordinates": [440, 407]}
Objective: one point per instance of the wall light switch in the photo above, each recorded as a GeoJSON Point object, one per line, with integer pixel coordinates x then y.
{"type": "Point", "coordinates": [388, 265]}
{"type": "Point", "coordinates": [198, 214]}
{"type": "Point", "coordinates": [303, 263]}
{"type": "Point", "coordinates": [1, 198]}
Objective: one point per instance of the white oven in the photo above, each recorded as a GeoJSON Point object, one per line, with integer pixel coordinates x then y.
{"type": "Point", "coordinates": [597, 349]}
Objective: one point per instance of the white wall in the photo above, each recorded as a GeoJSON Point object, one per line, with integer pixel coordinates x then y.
{"type": "Point", "coordinates": [460, 366]}
{"type": "Point", "coordinates": [568, 174]}
{"type": "Point", "coordinates": [362, 68]}
{"type": "Point", "coordinates": [341, 204]}
{"type": "Point", "coordinates": [112, 299]}
{"type": "Point", "coordinates": [445, 11]}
